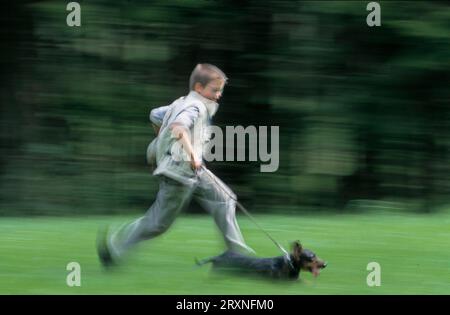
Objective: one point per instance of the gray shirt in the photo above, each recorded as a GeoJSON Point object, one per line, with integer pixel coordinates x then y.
{"type": "Point", "coordinates": [194, 112]}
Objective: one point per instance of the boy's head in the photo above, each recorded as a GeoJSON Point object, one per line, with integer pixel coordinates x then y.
{"type": "Point", "coordinates": [208, 81]}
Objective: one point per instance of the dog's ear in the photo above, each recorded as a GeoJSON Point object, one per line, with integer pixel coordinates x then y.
{"type": "Point", "coordinates": [297, 249]}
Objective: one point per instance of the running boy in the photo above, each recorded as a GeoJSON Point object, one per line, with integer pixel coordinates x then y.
{"type": "Point", "coordinates": [182, 134]}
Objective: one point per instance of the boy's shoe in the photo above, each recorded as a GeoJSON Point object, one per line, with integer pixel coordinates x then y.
{"type": "Point", "coordinates": [103, 251]}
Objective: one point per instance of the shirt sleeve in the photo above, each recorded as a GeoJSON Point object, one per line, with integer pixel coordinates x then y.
{"type": "Point", "coordinates": [187, 117]}
{"type": "Point", "coordinates": [157, 115]}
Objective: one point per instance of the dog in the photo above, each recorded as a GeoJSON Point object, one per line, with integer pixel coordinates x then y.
{"type": "Point", "coordinates": [280, 267]}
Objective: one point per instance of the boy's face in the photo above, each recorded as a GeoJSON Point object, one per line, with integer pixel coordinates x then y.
{"type": "Point", "coordinates": [212, 91]}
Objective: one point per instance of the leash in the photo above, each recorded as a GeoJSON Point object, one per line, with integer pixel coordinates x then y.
{"type": "Point", "coordinates": [242, 208]}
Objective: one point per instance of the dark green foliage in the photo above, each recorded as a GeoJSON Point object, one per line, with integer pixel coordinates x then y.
{"type": "Point", "coordinates": [363, 112]}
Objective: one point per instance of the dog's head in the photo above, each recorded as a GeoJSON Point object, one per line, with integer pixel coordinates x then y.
{"type": "Point", "coordinates": [306, 259]}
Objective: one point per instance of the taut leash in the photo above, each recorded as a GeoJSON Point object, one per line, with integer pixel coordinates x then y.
{"type": "Point", "coordinates": [240, 206]}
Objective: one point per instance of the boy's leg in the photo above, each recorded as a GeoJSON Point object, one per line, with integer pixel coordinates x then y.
{"type": "Point", "coordinates": [217, 198]}
{"type": "Point", "coordinates": [172, 197]}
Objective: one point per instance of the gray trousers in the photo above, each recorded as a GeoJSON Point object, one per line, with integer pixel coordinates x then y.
{"type": "Point", "coordinates": [172, 198]}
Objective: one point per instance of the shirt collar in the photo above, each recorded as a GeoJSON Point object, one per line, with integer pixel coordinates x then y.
{"type": "Point", "coordinates": [210, 105]}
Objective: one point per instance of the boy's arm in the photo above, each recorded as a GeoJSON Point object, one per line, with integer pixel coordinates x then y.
{"type": "Point", "coordinates": [180, 130]}
{"type": "Point", "coordinates": [157, 116]}
{"type": "Point", "coordinates": [183, 135]}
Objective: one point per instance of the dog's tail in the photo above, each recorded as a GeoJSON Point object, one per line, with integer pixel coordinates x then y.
{"type": "Point", "coordinates": [203, 261]}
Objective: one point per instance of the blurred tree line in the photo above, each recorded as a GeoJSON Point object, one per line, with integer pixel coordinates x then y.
{"type": "Point", "coordinates": [363, 111]}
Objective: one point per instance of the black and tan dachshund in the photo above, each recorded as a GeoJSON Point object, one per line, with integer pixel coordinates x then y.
{"type": "Point", "coordinates": [280, 267]}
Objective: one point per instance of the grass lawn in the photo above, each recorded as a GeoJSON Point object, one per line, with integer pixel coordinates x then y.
{"type": "Point", "coordinates": [412, 249]}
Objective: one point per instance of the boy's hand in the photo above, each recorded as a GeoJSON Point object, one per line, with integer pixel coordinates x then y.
{"type": "Point", "coordinates": [196, 164]}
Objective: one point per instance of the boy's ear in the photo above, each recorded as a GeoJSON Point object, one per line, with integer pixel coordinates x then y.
{"type": "Point", "coordinates": [198, 87]}
{"type": "Point", "coordinates": [297, 249]}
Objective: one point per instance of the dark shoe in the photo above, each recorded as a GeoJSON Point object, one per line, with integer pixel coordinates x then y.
{"type": "Point", "coordinates": [103, 251]}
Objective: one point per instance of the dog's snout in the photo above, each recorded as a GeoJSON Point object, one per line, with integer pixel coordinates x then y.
{"type": "Point", "coordinates": [324, 264]}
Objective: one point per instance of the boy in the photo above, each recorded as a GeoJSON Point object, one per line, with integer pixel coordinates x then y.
{"type": "Point", "coordinates": [178, 149]}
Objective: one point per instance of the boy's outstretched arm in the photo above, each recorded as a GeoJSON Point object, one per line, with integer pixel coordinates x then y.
{"type": "Point", "coordinates": [180, 130]}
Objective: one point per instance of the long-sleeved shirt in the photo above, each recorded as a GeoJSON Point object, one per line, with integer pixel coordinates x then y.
{"type": "Point", "coordinates": [193, 112]}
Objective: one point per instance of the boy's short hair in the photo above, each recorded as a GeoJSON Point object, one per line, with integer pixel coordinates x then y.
{"type": "Point", "coordinates": [204, 73]}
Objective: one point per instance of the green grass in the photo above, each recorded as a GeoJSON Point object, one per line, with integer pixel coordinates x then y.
{"type": "Point", "coordinates": [412, 249]}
